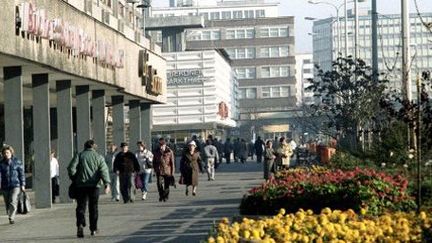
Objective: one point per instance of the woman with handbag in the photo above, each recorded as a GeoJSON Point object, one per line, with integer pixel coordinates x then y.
{"type": "Point", "coordinates": [145, 160]}
{"type": "Point", "coordinates": [190, 166]}
{"type": "Point", "coordinates": [12, 179]}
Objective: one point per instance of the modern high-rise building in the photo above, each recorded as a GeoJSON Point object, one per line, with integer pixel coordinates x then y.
{"type": "Point", "coordinates": [304, 72]}
{"type": "Point", "coordinates": [261, 47]}
{"type": "Point", "coordinates": [327, 42]}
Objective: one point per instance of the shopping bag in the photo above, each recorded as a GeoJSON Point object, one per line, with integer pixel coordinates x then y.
{"type": "Point", "coordinates": [138, 182]}
{"type": "Point", "coordinates": [24, 205]}
{"type": "Point", "coordinates": [73, 191]}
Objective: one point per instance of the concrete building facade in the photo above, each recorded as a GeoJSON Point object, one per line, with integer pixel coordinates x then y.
{"type": "Point", "coordinates": [261, 47]}
{"type": "Point", "coordinates": [304, 72]}
{"type": "Point", "coordinates": [202, 100]}
{"type": "Point", "coordinates": [65, 62]}
{"type": "Point", "coordinates": [325, 44]}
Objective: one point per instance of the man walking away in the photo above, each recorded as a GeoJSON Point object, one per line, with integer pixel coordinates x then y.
{"type": "Point", "coordinates": [126, 167]}
{"type": "Point", "coordinates": [211, 156]}
{"type": "Point", "coordinates": [259, 148]}
{"type": "Point", "coordinates": [228, 149]}
{"type": "Point", "coordinates": [220, 149]}
{"type": "Point", "coordinates": [236, 149]}
{"type": "Point", "coordinates": [87, 169]}
{"type": "Point", "coordinates": [115, 182]}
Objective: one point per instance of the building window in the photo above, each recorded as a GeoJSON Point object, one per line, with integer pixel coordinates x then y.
{"type": "Point", "coordinates": [260, 13]}
{"type": "Point", "coordinates": [275, 92]}
{"type": "Point", "coordinates": [308, 70]}
{"type": "Point", "coordinates": [226, 15]}
{"type": "Point", "coordinates": [205, 15]}
{"type": "Point", "coordinates": [241, 53]}
{"type": "Point", "coordinates": [274, 51]}
{"type": "Point", "coordinates": [247, 33]}
{"type": "Point", "coordinates": [214, 15]}
{"type": "Point", "coordinates": [245, 72]}
{"type": "Point", "coordinates": [275, 71]}
{"type": "Point", "coordinates": [197, 35]}
{"type": "Point", "coordinates": [249, 14]}
{"type": "Point", "coordinates": [121, 10]}
{"type": "Point", "coordinates": [237, 14]}
{"type": "Point", "coordinates": [248, 93]}
{"type": "Point", "coordinates": [274, 32]}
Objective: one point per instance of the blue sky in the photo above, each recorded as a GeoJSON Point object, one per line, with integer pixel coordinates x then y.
{"type": "Point", "coordinates": [301, 9]}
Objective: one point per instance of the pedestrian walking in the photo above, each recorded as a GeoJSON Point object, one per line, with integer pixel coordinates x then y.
{"type": "Point", "coordinates": [269, 158]}
{"type": "Point", "coordinates": [55, 172]}
{"type": "Point", "coordinates": [211, 155]}
{"type": "Point", "coordinates": [145, 160]}
{"type": "Point", "coordinates": [219, 146]}
{"type": "Point", "coordinates": [228, 149]}
{"type": "Point", "coordinates": [126, 167]}
{"type": "Point", "coordinates": [236, 149]}
{"type": "Point", "coordinates": [164, 167]}
{"type": "Point", "coordinates": [12, 179]}
{"type": "Point", "coordinates": [190, 166]}
{"type": "Point", "coordinates": [259, 148]}
{"type": "Point", "coordinates": [243, 151]}
{"type": "Point", "coordinates": [87, 169]}
{"type": "Point", "coordinates": [115, 182]}
{"type": "Point", "coordinates": [284, 153]}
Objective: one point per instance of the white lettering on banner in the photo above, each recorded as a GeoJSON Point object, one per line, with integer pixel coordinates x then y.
{"type": "Point", "coordinates": [35, 22]}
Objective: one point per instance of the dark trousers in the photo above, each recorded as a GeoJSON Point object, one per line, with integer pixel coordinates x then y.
{"type": "Point", "coordinates": [90, 194]}
{"type": "Point", "coordinates": [259, 157]}
{"type": "Point", "coordinates": [228, 157]}
{"type": "Point", "coordinates": [163, 187]}
{"type": "Point", "coordinates": [127, 187]}
{"type": "Point", "coordinates": [54, 188]}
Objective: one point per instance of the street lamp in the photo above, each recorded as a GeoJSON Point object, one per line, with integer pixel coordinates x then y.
{"type": "Point", "coordinates": [144, 4]}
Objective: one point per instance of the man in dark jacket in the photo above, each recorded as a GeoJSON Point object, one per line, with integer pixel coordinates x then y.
{"type": "Point", "coordinates": [12, 179]}
{"type": "Point", "coordinates": [87, 169]}
{"type": "Point", "coordinates": [259, 148]}
{"type": "Point", "coordinates": [126, 167]}
{"type": "Point", "coordinates": [228, 149]}
{"type": "Point", "coordinates": [164, 167]}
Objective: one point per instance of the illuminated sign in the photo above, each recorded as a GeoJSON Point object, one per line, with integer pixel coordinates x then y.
{"type": "Point", "coordinates": [62, 35]}
{"type": "Point", "coordinates": [185, 77]}
{"type": "Point", "coordinates": [223, 110]}
{"type": "Point", "coordinates": [148, 74]}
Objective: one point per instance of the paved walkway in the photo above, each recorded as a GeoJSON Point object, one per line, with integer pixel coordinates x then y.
{"type": "Point", "coordinates": [181, 219]}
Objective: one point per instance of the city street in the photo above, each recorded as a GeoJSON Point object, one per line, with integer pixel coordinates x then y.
{"type": "Point", "coordinates": [181, 219]}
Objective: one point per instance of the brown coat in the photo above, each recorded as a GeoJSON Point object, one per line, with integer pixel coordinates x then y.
{"type": "Point", "coordinates": [163, 162]}
{"type": "Point", "coordinates": [190, 166]}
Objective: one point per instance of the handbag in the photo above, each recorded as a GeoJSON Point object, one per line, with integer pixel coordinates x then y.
{"type": "Point", "coordinates": [138, 182]}
{"type": "Point", "coordinates": [181, 180]}
{"type": "Point", "coordinates": [73, 190]}
{"type": "Point", "coordinates": [24, 205]}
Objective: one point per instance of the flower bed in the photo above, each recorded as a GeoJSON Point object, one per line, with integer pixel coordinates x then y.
{"type": "Point", "coordinates": [336, 189]}
{"type": "Point", "coordinates": [304, 226]}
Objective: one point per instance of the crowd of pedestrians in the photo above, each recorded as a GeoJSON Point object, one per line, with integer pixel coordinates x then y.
{"type": "Point", "coordinates": [123, 172]}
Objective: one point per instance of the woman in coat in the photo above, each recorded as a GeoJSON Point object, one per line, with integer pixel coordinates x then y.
{"type": "Point", "coordinates": [190, 166]}
{"type": "Point", "coordinates": [12, 179]}
{"type": "Point", "coordinates": [284, 153]}
{"type": "Point", "coordinates": [269, 158]}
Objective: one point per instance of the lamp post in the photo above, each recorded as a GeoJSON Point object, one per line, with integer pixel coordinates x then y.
{"type": "Point", "coordinates": [145, 4]}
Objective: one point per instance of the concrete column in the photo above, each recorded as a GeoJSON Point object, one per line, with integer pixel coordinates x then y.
{"type": "Point", "coordinates": [99, 127]}
{"type": "Point", "coordinates": [42, 138]}
{"type": "Point", "coordinates": [134, 121]}
{"type": "Point", "coordinates": [65, 134]}
{"type": "Point", "coordinates": [82, 115]}
{"type": "Point", "coordinates": [118, 119]}
{"type": "Point", "coordinates": [13, 109]}
{"type": "Point", "coordinates": [146, 124]}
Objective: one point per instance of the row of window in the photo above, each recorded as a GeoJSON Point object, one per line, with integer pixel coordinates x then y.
{"type": "Point", "coordinates": [264, 52]}
{"type": "Point", "coordinates": [266, 92]}
{"type": "Point", "coordinates": [235, 14]}
{"type": "Point", "coordinates": [240, 33]}
{"type": "Point", "coordinates": [265, 72]}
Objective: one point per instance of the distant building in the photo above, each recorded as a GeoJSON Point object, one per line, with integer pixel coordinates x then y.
{"type": "Point", "coordinates": [304, 72]}
{"type": "Point", "coordinates": [325, 44]}
{"type": "Point", "coordinates": [261, 47]}
{"type": "Point", "coordinates": [202, 96]}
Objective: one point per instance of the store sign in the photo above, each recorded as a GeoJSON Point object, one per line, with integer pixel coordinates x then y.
{"type": "Point", "coordinates": [185, 77]}
{"type": "Point", "coordinates": [223, 110]}
{"type": "Point", "coordinates": [63, 36]}
{"type": "Point", "coordinates": [149, 75]}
